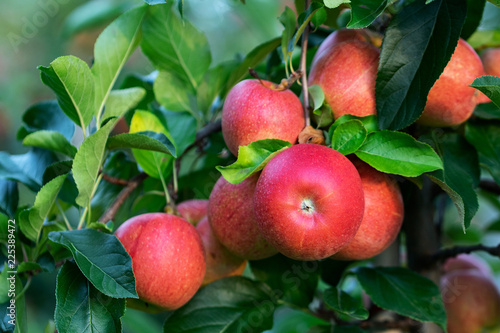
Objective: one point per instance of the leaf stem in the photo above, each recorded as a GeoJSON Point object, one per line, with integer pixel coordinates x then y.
{"type": "Point", "coordinates": [63, 215]}
{"type": "Point", "coordinates": [303, 69]}
{"type": "Point", "coordinates": [82, 218]}
{"type": "Point", "coordinates": [26, 286]}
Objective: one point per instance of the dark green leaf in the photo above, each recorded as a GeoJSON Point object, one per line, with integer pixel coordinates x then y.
{"type": "Point", "coordinates": [173, 93]}
{"type": "Point", "coordinates": [82, 308]}
{"type": "Point", "coordinates": [490, 86]}
{"type": "Point", "coordinates": [102, 259]}
{"type": "Point", "coordinates": [348, 137]}
{"type": "Point", "coordinates": [287, 320]}
{"type": "Point", "coordinates": [404, 292]}
{"type": "Point", "coordinates": [475, 10]}
{"type": "Point", "coordinates": [147, 140]}
{"type": "Point", "coordinates": [99, 226]}
{"type": "Point", "coordinates": [364, 12]}
{"type": "Point", "coordinates": [69, 191]}
{"type": "Point", "coordinates": [214, 84]}
{"type": "Point", "coordinates": [317, 97]}
{"type": "Point", "coordinates": [182, 128]}
{"type": "Point", "coordinates": [121, 101]}
{"type": "Point", "coordinates": [288, 20]}
{"type": "Point", "coordinates": [14, 322]}
{"type": "Point", "coordinates": [4, 284]}
{"type": "Point", "coordinates": [252, 158]}
{"type": "Point", "coordinates": [50, 140]}
{"type": "Point", "coordinates": [495, 2]}
{"type": "Point", "coordinates": [48, 116]}
{"type": "Point", "coordinates": [398, 153]}
{"type": "Point", "coordinates": [304, 20]}
{"type": "Point", "coordinates": [343, 303]}
{"type": "Point", "coordinates": [9, 197]}
{"type": "Point", "coordinates": [417, 46]}
{"type": "Point", "coordinates": [227, 305]}
{"type": "Point", "coordinates": [319, 18]}
{"type": "Point", "coordinates": [57, 169]}
{"type": "Point", "coordinates": [369, 122]}
{"type": "Point", "coordinates": [485, 137]}
{"type": "Point", "coordinates": [487, 111]}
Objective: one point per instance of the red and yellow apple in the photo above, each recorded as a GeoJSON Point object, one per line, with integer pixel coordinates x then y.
{"type": "Point", "coordinates": [168, 259]}
{"type": "Point", "coordinates": [466, 261]}
{"type": "Point", "coordinates": [491, 61]}
{"type": "Point", "coordinates": [309, 202]}
{"type": "Point", "coordinates": [193, 210]}
{"type": "Point", "coordinates": [254, 110]}
{"type": "Point", "coordinates": [383, 216]}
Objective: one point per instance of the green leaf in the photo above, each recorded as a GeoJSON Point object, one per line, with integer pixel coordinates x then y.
{"type": "Point", "coordinates": [71, 79]}
{"type": "Point", "coordinates": [417, 46]}
{"type": "Point", "coordinates": [182, 128]}
{"type": "Point", "coordinates": [214, 84]}
{"type": "Point", "coordinates": [175, 45]}
{"type": "Point", "coordinates": [31, 220]}
{"type": "Point", "coordinates": [102, 259]}
{"type": "Point", "coordinates": [156, 2]}
{"type": "Point", "coordinates": [369, 122]}
{"type": "Point", "coordinates": [7, 321]}
{"type": "Point", "coordinates": [335, 3]}
{"type": "Point", "coordinates": [475, 10]}
{"type": "Point", "coordinates": [487, 111]}
{"type": "Point", "coordinates": [226, 305]}
{"type": "Point", "coordinates": [490, 86]}
{"type": "Point", "coordinates": [147, 140]}
{"type": "Point", "coordinates": [364, 12]}
{"type": "Point", "coordinates": [173, 93]}
{"type": "Point", "coordinates": [404, 292]}
{"type": "Point", "coordinates": [304, 20]}
{"type": "Point", "coordinates": [4, 284]}
{"type": "Point", "coordinates": [398, 153]}
{"type": "Point", "coordinates": [349, 136]}
{"type": "Point", "coordinates": [121, 101]}
{"type": "Point", "coordinates": [288, 20]}
{"type": "Point", "coordinates": [112, 49]}
{"type": "Point", "coordinates": [88, 161]}
{"type": "Point", "coordinates": [9, 197]}
{"type": "Point", "coordinates": [252, 158]}
{"type": "Point", "coordinates": [343, 303]}
{"type": "Point", "coordinates": [82, 308]}
{"type": "Point", "coordinates": [287, 320]}
{"type": "Point", "coordinates": [485, 137]}
{"type": "Point", "coordinates": [495, 2]}
{"type": "Point", "coordinates": [317, 97]}
{"type": "Point", "coordinates": [102, 227]}
{"type": "Point", "coordinates": [50, 140]}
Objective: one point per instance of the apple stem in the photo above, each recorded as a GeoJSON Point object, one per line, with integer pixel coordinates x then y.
{"type": "Point", "coordinates": [283, 85]}
{"type": "Point", "coordinates": [303, 69]}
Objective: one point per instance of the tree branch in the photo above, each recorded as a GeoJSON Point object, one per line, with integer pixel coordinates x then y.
{"type": "Point", "coordinates": [444, 254]}
{"type": "Point", "coordinates": [114, 180]}
{"type": "Point", "coordinates": [303, 69]}
{"type": "Point", "coordinates": [490, 186]}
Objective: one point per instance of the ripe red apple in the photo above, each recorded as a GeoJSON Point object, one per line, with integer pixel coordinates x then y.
{"type": "Point", "coordinates": [345, 67]}
{"type": "Point", "coordinates": [230, 213]}
{"type": "Point", "coordinates": [491, 61]}
{"type": "Point", "coordinates": [193, 210]}
{"type": "Point", "coordinates": [472, 302]}
{"type": "Point", "coordinates": [167, 257]}
{"type": "Point", "coordinates": [451, 101]}
{"type": "Point", "coordinates": [254, 111]}
{"type": "Point", "coordinates": [466, 261]}
{"type": "Point", "coordinates": [309, 202]}
{"type": "Point", "coordinates": [220, 262]}
{"type": "Point", "coordinates": [383, 216]}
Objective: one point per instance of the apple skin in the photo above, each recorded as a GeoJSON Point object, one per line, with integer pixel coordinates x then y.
{"type": "Point", "coordinates": [450, 101]}
{"type": "Point", "coordinates": [466, 261]}
{"type": "Point", "coordinates": [168, 259]}
{"type": "Point", "coordinates": [345, 67]}
{"type": "Point", "coordinates": [309, 202]}
{"type": "Point", "coordinates": [231, 216]}
{"type": "Point", "coordinates": [220, 262]}
{"type": "Point", "coordinates": [384, 212]}
{"type": "Point", "coordinates": [337, 37]}
{"type": "Point", "coordinates": [253, 111]}
{"type": "Point", "coordinates": [193, 210]}
{"type": "Point", "coordinates": [472, 302]}
{"type": "Point", "coordinates": [491, 61]}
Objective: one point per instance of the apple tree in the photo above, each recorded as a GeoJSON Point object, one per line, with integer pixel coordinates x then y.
{"type": "Point", "coordinates": [346, 163]}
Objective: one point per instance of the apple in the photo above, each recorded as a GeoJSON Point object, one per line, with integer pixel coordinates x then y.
{"type": "Point", "coordinates": [256, 110]}
{"type": "Point", "coordinates": [193, 210]}
{"type": "Point", "coordinates": [231, 216]}
{"type": "Point", "coordinates": [451, 101]}
{"type": "Point", "coordinates": [472, 302]}
{"type": "Point", "coordinates": [220, 262]}
{"type": "Point", "coordinates": [383, 216]}
{"type": "Point", "coordinates": [309, 202]}
{"type": "Point", "coordinates": [466, 261]}
{"type": "Point", "coordinates": [168, 259]}
{"type": "Point", "coordinates": [345, 67]}
{"type": "Point", "coordinates": [491, 61]}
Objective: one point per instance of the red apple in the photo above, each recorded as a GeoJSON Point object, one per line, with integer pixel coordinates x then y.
{"type": "Point", "coordinates": [309, 202]}
{"type": "Point", "coordinates": [472, 302]}
{"type": "Point", "coordinates": [491, 61]}
{"type": "Point", "coordinates": [383, 216]}
{"type": "Point", "coordinates": [254, 111]}
{"type": "Point", "coordinates": [451, 101]}
{"type": "Point", "coordinates": [230, 213]}
{"type": "Point", "coordinates": [220, 262]}
{"type": "Point", "coordinates": [345, 67]}
{"type": "Point", "coordinates": [167, 257]}
{"type": "Point", "coordinates": [466, 261]}
{"type": "Point", "coordinates": [193, 210]}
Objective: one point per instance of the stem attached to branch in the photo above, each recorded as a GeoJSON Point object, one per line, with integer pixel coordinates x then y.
{"type": "Point", "coordinates": [303, 69]}
{"type": "Point", "coordinates": [444, 254]}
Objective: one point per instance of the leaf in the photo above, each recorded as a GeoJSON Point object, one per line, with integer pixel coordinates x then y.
{"type": "Point", "coordinates": [343, 303]}
{"type": "Point", "coordinates": [252, 158]}
{"type": "Point", "coordinates": [304, 20]}
{"type": "Point", "coordinates": [364, 12]}
{"type": "Point", "coordinates": [121, 101]}
{"type": "Point", "coordinates": [82, 308]}
{"type": "Point", "coordinates": [175, 45]}
{"type": "Point", "coordinates": [226, 305]}
{"type": "Point", "coordinates": [404, 292]}
{"type": "Point", "coordinates": [71, 79]}
{"type": "Point", "coordinates": [88, 161]}
{"type": "Point", "coordinates": [287, 320]}
{"type": "Point", "coordinates": [317, 97]}
{"type": "Point", "coordinates": [9, 197]}
{"type": "Point", "coordinates": [369, 122]}
{"type": "Point", "coordinates": [485, 137]}
{"type": "Point", "coordinates": [495, 2]}
{"type": "Point", "coordinates": [487, 111]}
{"type": "Point", "coordinates": [19, 318]}
{"type": "Point", "coordinates": [398, 153]}
{"type": "Point", "coordinates": [112, 49]}
{"type": "Point", "coordinates": [288, 20]}
{"type": "Point", "coordinates": [475, 10]}
{"type": "Point", "coordinates": [182, 128]}
{"type": "Point", "coordinates": [147, 140]}
{"type": "Point", "coordinates": [102, 259]}
{"type": "Point", "coordinates": [335, 3]}
{"type": "Point", "coordinates": [490, 86]}
{"type": "Point", "coordinates": [50, 140]}
{"type": "Point", "coordinates": [349, 136]}
{"type": "Point", "coordinates": [31, 220]}
{"type": "Point", "coordinates": [417, 46]}
{"type": "Point", "coordinates": [156, 2]}
{"type": "Point", "coordinates": [213, 85]}
{"type": "Point", "coordinates": [173, 93]}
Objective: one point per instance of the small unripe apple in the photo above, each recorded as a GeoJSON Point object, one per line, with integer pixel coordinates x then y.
{"type": "Point", "coordinates": [168, 259]}
{"type": "Point", "coordinates": [231, 215]}
{"type": "Point", "coordinates": [345, 67]}
{"type": "Point", "coordinates": [254, 110]}
{"type": "Point", "coordinates": [383, 216]}
{"type": "Point", "coordinates": [466, 261]}
{"type": "Point", "coordinates": [491, 61]}
{"type": "Point", "coordinates": [451, 101]}
{"type": "Point", "coordinates": [220, 262]}
{"type": "Point", "coordinates": [193, 210]}
{"type": "Point", "coordinates": [309, 202]}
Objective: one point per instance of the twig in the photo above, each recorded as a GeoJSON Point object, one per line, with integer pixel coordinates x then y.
{"type": "Point", "coordinates": [490, 186]}
{"type": "Point", "coordinates": [302, 68]}
{"type": "Point", "coordinates": [444, 254]}
{"type": "Point", "coordinates": [205, 132]}
{"type": "Point", "coordinates": [114, 180]}
{"type": "Point", "coordinates": [122, 196]}
{"type": "Point", "coordinates": [404, 324]}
